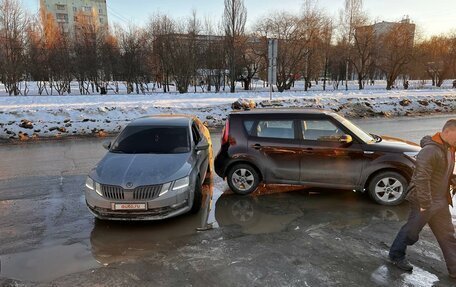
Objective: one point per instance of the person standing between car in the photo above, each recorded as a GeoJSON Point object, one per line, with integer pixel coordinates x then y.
{"type": "Point", "coordinates": [430, 196]}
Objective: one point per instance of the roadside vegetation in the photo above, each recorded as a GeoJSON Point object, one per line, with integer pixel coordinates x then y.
{"type": "Point", "coordinates": [197, 55]}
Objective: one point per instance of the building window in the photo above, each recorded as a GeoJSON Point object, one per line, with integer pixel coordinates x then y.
{"type": "Point", "coordinates": [101, 20]}
{"type": "Point", "coordinates": [75, 9]}
{"type": "Point", "coordinates": [100, 11]}
{"type": "Point", "coordinates": [87, 9]}
{"type": "Point", "coordinates": [62, 17]}
{"type": "Point", "coordinates": [60, 7]}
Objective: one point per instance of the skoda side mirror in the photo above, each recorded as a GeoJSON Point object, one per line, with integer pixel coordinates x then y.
{"type": "Point", "coordinates": [202, 145]}
{"type": "Point", "coordinates": [107, 145]}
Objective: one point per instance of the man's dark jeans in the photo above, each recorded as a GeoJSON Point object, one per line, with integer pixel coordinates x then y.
{"type": "Point", "coordinates": [439, 219]}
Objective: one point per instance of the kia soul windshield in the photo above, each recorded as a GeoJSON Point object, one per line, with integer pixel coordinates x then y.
{"type": "Point", "coordinates": [146, 139]}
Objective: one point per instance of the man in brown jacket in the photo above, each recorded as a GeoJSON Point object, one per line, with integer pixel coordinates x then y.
{"type": "Point", "coordinates": [429, 196]}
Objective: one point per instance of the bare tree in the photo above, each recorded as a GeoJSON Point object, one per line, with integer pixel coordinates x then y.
{"type": "Point", "coordinates": [326, 38]}
{"type": "Point", "coordinates": [363, 52]}
{"type": "Point", "coordinates": [181, 49]}
{"type": "Point", "coordinates": [350, 18]}
{"type": "Point", "coordinates": [193, 31]}
{"type": "Point", "coordinates": [13, 37]}
{"type": "Point", "coordinates": [437, 56]}
{"type": "Point", "coordinates": [159, 29]}
{"type": "Point", "coordinates": [292, 46]}
{"type": "Point", "coordinates": [453, 54]}
{"type": "Point", "coordinates": [133, 50]}
{"type": "Point", "coordinates": [395, 51]}
{"type": "Point", "coordinates": [37, 66]}
{"type": "Point", "coordinates": [234, 19]}
{"type": "Point", "coordinates": [57, 52]}
{"type": "Point", "coordinates": [87, 40]}
{"type": "Point", "coordinates": [109, 59]}
{"type": "Point", "coordinates": [311, 28]}
{"type": "Point", "coordinates": [177, 44]}
{"type": "Point", "coordinates": [212, 57]}
{"type": "Point", "coordinates": [252, 59]}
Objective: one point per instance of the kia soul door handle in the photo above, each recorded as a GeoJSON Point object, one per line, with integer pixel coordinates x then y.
{"type": "Point", "coordinates": [256, 146]}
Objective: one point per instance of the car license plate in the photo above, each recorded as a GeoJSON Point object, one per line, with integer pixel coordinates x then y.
{"type": "Point", "coordinates": [129, 206]}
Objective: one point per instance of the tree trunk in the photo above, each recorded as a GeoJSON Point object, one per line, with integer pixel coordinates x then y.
{"type": "Point", "coordinates": [440, 82]}
{"type": "Point", "coordinates": [247, 84]}
{"type": "Point", "coordinates": [346, 76]}
{"type": "Point", "coordinates": [389, 84]}
{"type": "Point", "coordinates": [209, 83]}
{"type": "Point", "coordinates": [360, 82]}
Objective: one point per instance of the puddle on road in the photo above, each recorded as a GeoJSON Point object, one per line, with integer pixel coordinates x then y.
{"type": "Point", "coordinates": [46, 264]}
{"type": "Point", "coordinates": [110, 242]}
{"type": "Point", "coordinates": [300, 210]}
{"type": "Point", "coordinates": [116, 242]}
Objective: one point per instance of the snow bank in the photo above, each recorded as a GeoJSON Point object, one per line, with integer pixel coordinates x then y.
{"type": "Point", "coordinates": [51, 116]}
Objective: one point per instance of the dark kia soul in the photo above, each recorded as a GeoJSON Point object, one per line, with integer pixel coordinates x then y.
{"type": "Point", "coordinates": [314, 148]}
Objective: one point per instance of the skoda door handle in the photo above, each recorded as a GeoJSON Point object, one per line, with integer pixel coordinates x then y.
{"type": "Point", "coordinates": [308, 150]}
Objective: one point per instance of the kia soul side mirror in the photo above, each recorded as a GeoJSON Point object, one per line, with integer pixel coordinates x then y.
{"type": "Point", "coordinates": [346, 139]}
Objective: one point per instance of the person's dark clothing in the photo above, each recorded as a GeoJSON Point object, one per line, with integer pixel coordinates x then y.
{"type": "Point", "coordinates": [430, 190]}
{"type": "Point", "coordinates": [439, 220]}
{"type": "Point", "coordinates": [431, 180]}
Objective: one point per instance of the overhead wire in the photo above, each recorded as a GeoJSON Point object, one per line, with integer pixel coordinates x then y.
{"type": "Point", "coordinates": [118, 15]}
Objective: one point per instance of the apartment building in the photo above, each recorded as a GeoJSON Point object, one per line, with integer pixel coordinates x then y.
{"type": "Point", "coordinates": [67, 11]}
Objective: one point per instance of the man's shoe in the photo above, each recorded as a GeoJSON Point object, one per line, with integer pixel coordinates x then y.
{"type": "Point", "coordinates": [403, 264]}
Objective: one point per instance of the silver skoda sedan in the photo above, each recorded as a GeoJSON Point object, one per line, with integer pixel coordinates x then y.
{"type": "Point", "coordinates": [153, 170]}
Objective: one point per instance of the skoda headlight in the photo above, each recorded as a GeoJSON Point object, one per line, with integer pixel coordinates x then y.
{"type": "Point", "coordinates": [92, 185]}
{"type": "Point", "coordinates": [411, 154]}
{"type": "Point", "coordinates": [181, 183]}
{"type": "Point", "coordinates": [165, 188]}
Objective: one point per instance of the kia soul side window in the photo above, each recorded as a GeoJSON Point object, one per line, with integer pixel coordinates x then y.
{"type": "Point", "coordinates": [248, 125]}
{"type": "Point", "coordinates": [320, 130]}
{"type": "Point", "coordinates": [279, 129]}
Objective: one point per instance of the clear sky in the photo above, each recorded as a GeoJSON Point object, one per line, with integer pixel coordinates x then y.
{"type": "Point", "coordinates": [432, 17]}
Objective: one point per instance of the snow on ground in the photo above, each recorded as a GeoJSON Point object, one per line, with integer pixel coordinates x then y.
{"type": "Point", "coordinates": [256, 86]}
{"type": "Point", "coordinates": [50, 116]}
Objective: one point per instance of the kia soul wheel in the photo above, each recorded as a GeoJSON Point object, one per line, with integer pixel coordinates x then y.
{"type": "Point", "coordinates": [388, 188]}
{"type": "Point", "coordinates": [243, 179]}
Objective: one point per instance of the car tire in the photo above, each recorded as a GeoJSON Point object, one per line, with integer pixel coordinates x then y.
{"type": "Point", "coordinates": [197, 197]}
{"type": "Point", "coordinates": [243, 179]}
{"type": "Point", "coordinates": [388, 188]}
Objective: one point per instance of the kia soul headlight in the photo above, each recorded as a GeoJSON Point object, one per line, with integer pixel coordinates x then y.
{"type": "Point", "coordinates": [411, 154]}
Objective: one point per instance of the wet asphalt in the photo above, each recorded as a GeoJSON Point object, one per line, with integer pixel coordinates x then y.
{"type": "Point", "coordinates": [280, 236]}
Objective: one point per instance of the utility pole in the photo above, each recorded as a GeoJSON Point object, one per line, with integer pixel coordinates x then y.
{"type": "Point", "coordinates": [272, 64]}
